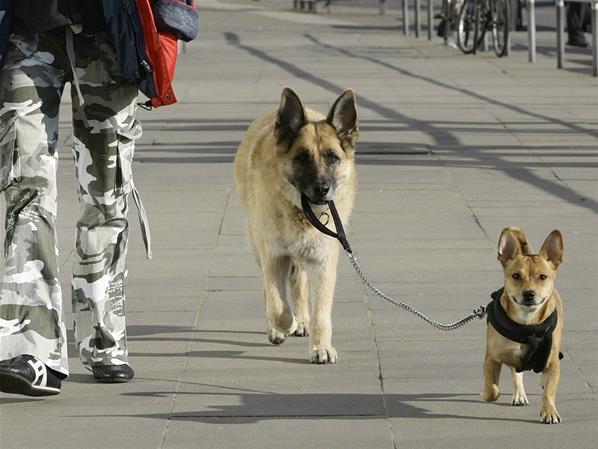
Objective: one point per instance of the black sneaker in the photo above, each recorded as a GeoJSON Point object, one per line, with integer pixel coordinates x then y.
{"type": "Point", "coordinates": [113, 374]}
{"type": "Point", "coordinates": [27, 375]}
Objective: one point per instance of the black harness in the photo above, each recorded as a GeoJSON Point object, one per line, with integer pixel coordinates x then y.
{"type": "Point", "coordinates": [538, 337]}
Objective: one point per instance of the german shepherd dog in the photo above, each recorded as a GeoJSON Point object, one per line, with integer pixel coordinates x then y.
{"type": "Point", "coordinates": [285, 154]}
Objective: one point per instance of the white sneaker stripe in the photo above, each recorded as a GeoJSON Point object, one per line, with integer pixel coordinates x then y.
{"type": "Point", "coordinates": [41, 375]}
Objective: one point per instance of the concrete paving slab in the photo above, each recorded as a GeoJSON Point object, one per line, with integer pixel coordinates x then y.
{"type": "Point", "coordinates": [453, 148]}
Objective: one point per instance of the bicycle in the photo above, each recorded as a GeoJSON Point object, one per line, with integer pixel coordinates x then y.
{"type": "Point", "coordinates": [476, 17]}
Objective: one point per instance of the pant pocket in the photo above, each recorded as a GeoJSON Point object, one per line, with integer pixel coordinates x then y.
{"type": "Point", "coordinates": [10, 165]}
{"type": "Point", "coordinates": [19, 48]}
{"type": "Point", "coordinates": [124, 158]}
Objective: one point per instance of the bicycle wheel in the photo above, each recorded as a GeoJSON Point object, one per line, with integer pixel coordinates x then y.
{"type": "Point", "coordinates": [466, 27]}
{"type": "Point", "coordinates": [500, 26]}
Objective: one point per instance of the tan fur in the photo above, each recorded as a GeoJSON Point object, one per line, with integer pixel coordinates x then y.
{"type": "Point", "coordinates": [298, 263]}
{"type": "Point", "coordinates": [514, 253]}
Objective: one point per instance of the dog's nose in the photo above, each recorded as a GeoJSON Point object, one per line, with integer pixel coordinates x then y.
{"type": "Point", "coordinates": [322, 188]}
{"type": "Point", "coordinates": [529, 295]}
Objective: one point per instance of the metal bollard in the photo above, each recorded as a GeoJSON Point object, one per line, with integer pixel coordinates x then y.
{"type": "Point", "coordinates": [417, 21]}
{"type": "Point", "coordinates": [430, 19]}
{"type": "Point", "coordinates": [560, 44]}
{"type": "Point", "coordinates": [531, 30]}
{"type": "Point", "coordinates": [594, 6]}
{"type": "Point", "coordinates": [405, 18]}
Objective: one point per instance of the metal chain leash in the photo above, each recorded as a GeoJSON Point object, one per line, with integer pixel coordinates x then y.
{"type": "Point", "coordinates": [479, 313]}
{"type": "Point", "coordinates": [340, 235]}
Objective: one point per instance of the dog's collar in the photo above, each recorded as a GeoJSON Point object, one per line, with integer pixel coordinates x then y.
{"type": "Point", "coordinates": [538, 337]}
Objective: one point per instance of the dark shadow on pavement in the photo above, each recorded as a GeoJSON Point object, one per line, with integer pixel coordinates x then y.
{"type": "Point", "coordinates": [239, 355]}
{"type": "Point", "coordinates": [253, 408]}
{"type": "Point", "coordinates": [18, 400]}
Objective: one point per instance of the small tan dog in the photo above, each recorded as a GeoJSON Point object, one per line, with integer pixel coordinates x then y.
{"type": "Point", "coordinates": [285, 154]}
{"type": "Point", "coordinates": [526, 320]}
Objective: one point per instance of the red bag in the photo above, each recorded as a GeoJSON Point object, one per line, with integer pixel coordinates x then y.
{"type": "Point", "coordinates": [161, 49]}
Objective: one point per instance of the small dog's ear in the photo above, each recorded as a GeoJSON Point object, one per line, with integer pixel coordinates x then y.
{"type": "Point", "coordinates": [343, 118]}
{"type": "Point", "coordinates": [509, 246]}
{"type": "Point", "coordinates": [526, 248]}
{"type": "Point", "coordinates": [552, 248]}
{"type": "Point", "coordinates": [290, 118]}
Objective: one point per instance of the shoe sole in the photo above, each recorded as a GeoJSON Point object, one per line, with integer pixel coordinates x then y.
{"type": "Point", "coordinates": [15, 384]}
{"type": "Point", "coordinates": [112, 380]}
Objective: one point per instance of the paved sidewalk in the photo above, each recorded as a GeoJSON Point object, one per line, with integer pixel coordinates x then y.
{"type": "Point", "coordinates": [453, 148]}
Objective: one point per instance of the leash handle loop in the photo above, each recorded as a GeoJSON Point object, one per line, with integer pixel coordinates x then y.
{"type": "Point", "coordinates": [340, 231]}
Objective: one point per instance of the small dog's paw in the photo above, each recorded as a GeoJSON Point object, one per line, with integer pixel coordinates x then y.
{"type": "Point", "coordinates": [520, 399]}
{"type": "Point", "coordinates": [276, 337]}
{"type": "Point", "coordinates": [549, 415]}
{"type": "Point", "coordinates": [301, 330]}
{"type": "Point", "coordinates": [491, 394]}
{"type": "Point", "coordinates": [324, 355]}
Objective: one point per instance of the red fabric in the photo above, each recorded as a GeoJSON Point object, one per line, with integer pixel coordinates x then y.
{"type": "Point", "coordinates": [162, 52]}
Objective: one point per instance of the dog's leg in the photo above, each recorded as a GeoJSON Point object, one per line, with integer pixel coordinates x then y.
{"type": "Point", "coordinates": [491, 375]}
{"type": "Point", "coordinates": [550, 381]}
{"type": "Point", "coordinates": [280, 319]}
{"type": "Point", "coordinates": [519, 396]}
{"type": "Point", "coordinates": [322, 280]}
{"type": "Point", "coordinates": [300, 298]}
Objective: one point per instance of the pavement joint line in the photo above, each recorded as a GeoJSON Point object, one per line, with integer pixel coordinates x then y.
{"type": "Point", "coordinates": [226, 204]}
{"type": "Point", "coordinates": [578, 369]}
{"type": "Point", "coordinates": [466, 201]}
{"type": "Point", "coordinates": [372, 329]}
{"type": "Point", "coordinates": [68, 258]}
{"type": "Point", "coordinates": [283, 416]}
{"type": "Point", "coordinates": [203, 296]}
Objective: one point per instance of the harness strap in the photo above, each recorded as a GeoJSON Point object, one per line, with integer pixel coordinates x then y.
{"type": "Point", "coordinates": [538, 337]}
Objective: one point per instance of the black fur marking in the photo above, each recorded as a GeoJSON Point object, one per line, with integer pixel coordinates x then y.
{"type": "Point", "coordinates": [290, 119]}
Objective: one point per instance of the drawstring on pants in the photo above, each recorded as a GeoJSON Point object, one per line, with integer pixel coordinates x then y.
{"type": "Point", "coordinates": [70, 51]}
{"type": "Point", "coordinates": [143, 222]}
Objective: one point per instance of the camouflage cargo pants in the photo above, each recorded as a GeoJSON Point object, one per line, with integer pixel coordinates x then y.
{"type": "Point", "coordinates": [32, 79]}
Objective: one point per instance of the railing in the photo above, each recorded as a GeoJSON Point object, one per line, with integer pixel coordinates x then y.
{"type": "Point", "coordinates": [309, 5]}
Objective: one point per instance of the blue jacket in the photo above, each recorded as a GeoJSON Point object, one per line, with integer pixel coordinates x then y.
{"type": "Point", "coordinates": [124, 28]}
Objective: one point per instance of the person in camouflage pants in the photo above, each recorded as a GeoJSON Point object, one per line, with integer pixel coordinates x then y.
{"type": "Point", "coordinates": [32, 77]}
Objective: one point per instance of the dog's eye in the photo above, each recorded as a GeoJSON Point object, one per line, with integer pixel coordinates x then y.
{"type": "Point", "coordinates": [516, 276]}
{"type": "Point", "coordinates": [332, 157]}
{"type": "Point", "coordinates": [303, 157]}
{"type": "Point", "coordinates": [542, 277]}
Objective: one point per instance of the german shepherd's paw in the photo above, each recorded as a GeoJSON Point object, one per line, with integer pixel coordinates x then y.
{"type": "Point", "coordinates": [549, 415]}
{"type": "Point", "coordinates": [322, 356]}
{"type": "Point", "coordinates": [301, 330]}
{"type": "Point", "coordinates": [276, 337]}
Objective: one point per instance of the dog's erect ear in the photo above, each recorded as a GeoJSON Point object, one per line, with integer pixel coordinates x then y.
{"type": "Point", "coordinates": [509, 246]}
{"type": "Point", "coordinates": [290, 118]}
{"type": "Point", "coordinates": [552, 248]}
{"type": "Point", "coordinates": [526, 248]}
{"type": "Point", "coordinates": [343, 117]}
